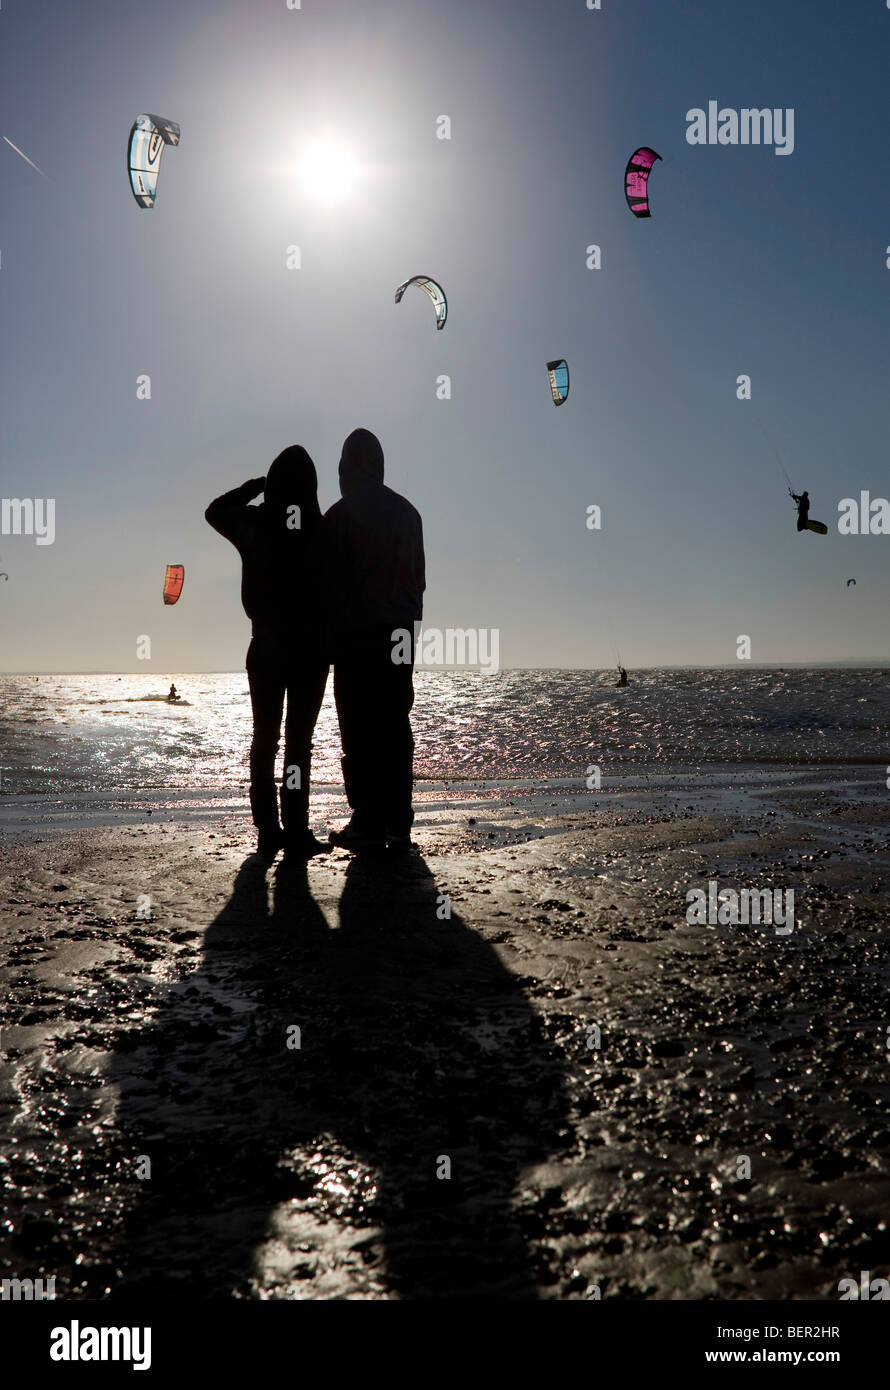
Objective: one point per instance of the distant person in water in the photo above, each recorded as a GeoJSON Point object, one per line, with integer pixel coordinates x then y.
{"type": "Point", "coordinates": [803, 509]}
{"type": "Point", "coordinates": [622, 676]}
{"type": "Point", "coordinates": [280, 544]}
{"type": "Point", "coordinates": [377, 579]}
{"type": "Point", "coordinates": [173, 695]}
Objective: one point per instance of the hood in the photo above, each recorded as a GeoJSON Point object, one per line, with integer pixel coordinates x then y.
{"type": "Point", "coordinates": [292, 481]}
{"type": "Point", "coordinates": [361, 460]}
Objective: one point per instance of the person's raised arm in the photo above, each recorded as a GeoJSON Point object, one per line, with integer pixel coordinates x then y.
{"type": "Point", "coordinates": [228, 514]}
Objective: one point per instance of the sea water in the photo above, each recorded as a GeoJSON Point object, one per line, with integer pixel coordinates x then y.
{"type": "Point", "coordinates": [110, 733]}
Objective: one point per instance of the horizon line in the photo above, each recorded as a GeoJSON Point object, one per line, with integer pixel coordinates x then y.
{"type": "Point", "coordinates": [843, 663]}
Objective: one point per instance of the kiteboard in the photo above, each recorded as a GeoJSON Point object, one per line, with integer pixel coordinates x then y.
{"type": "Point", "coordinates": [818, 526]}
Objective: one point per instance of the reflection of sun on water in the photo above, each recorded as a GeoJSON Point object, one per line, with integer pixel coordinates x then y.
{"type": "Point", "coordinates": [328, 171]}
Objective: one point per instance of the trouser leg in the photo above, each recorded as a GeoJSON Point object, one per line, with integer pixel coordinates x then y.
{"type": "Point", "coordinates": [354, 697]}
{"type": "Point", "coordinates": [305, 692]}
{"type": "Point", "coordinates": [267, 686]}
{"type": "Point", "coordinates": [374, 697]}
{"type": "Point", "coordinates": [397, 742]}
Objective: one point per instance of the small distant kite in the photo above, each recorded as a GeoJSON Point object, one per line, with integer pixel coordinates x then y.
{"type": "Point", "coordinates": [636, 180]}
{"type": "Point", "coordinates": [173, 581]}
{"type": "Point", "coordinates": [558, 372]}
{"type": "Point", "coordinates": [850, 581]}
{"type": "Point", "coordinates": [148, 136]}
{"type": "Point", "coordinates": [435, 292]}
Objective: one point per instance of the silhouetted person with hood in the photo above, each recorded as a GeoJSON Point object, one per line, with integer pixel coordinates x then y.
{"type": "Point", "coordinates": [280, 544]}
{"type": "Point", "coordinates": [374, 542]}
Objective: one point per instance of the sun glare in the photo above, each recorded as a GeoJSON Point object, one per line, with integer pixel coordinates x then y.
{"type": "Point", "coordinates": [328, 171]}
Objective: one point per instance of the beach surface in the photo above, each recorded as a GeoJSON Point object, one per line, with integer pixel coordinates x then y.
{"type": "Point", "coordinates": [503, 1067]}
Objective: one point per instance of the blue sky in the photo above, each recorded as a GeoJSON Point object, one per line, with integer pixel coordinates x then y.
{"type": "Point", "coordinates": [752, 263]}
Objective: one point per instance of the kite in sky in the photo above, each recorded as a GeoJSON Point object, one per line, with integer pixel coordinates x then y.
{"type": "Point", "coordinates": [148, 136]}
{"type": "Point", "coordinates": [173, 581]}
{"type": "Point", "coordinates": [24, 157]}
{"type": "Point", "coordinates": [636, 180]}
{"type": "Point", "coordinates": [435, 292]}
{"type": "Point", "coordinates": [558, 372]}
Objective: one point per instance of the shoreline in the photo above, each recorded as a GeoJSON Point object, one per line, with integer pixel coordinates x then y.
{"type": "Point", "coordinates": [721, 785]}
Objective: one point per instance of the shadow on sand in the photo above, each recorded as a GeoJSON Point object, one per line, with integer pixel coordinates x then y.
{"type": "Point", "coordinates": [312, 1171]}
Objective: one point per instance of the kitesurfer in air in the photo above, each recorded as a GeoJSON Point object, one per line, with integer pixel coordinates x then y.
{"type": "Point", "coordinates": [622, 677]}
{"type": "Point", "coordinates": [280, 544]}
{"type": "Point", "coordinates": [803, 515]}
{"type": "Point", "coordinates": [803, 509]}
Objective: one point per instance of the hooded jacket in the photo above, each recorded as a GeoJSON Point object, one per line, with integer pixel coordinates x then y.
{"type": "Point", "coordinates": [281, 566]}
{"type": "Point", "coordinates": [374, 540]}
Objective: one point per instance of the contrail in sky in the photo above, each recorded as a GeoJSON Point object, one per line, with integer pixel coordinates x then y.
{"type": "Point", "coordinates": [25, 157]}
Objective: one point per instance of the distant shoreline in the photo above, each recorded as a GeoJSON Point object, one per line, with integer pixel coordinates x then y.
{"type": "Point", "coordinates": [848, 664]}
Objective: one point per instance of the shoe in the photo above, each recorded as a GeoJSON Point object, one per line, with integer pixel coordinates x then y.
{"type": "Point", "coordinates": [302, 844]}
{"type": "Point", "coordinates": [268, 842]}
{"type": "Point", "coordinates": [357, 840]}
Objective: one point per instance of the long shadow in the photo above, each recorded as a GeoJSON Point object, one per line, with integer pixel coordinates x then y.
{"type": "Point", "coordinates": [422, 1084]}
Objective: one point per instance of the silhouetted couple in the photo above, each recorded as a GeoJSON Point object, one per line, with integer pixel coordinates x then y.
{"type": "Point", "coordinates": [321, 590]}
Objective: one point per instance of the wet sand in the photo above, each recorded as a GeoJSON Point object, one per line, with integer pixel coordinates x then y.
{"type": "Point", "coordinates": [317, 1171]}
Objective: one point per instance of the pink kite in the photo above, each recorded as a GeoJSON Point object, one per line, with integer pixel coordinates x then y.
{"type": "Point", "coordinates": [636, 180]}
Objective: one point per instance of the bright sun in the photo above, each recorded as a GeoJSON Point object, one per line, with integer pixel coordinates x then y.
{"type": "Point", "coordinates": [328, 171]}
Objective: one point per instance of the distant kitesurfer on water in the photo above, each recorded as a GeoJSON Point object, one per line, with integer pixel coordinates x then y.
{"type": "Point", "coordinates": [803, 514]}
{"type": "Point", "coordinates": [622, 677]}
{"type": "Point", "coordinates": [173, 695]}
